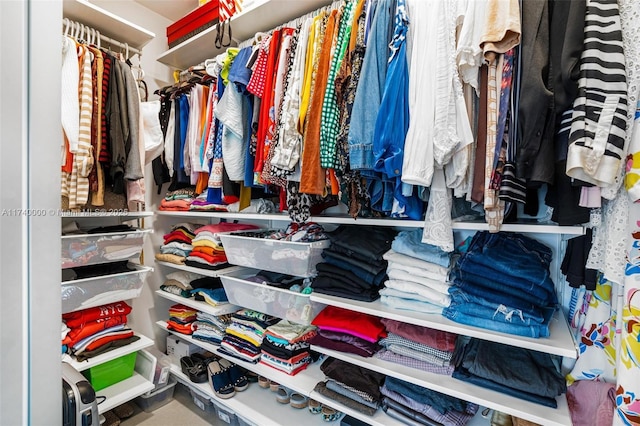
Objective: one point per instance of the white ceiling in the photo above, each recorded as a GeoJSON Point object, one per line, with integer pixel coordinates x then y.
{"type": "Point", "coordinates": [170, 9]}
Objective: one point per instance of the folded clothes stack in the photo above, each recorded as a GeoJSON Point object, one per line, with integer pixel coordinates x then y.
{"type": "Point", "coordinates": [502, 283]}
{"type": "Point", "coordinates": [181, 319]}
{"type": "Point", "coordinates": [353, 265]}
{"type": "Point", "coordinates": [94, 331]}
{"type": "Point", "coordinates": [351, 385]}
{"type": "Point", "coordinates": [418, 347]}
{"type": "Point", "coordinates": [208, 252]}
{"type": "Point", "coordinates": [521, 373]}
{"type": "Point", "coordinates": [188, 285]}
{"type": "Point", "coordinates": [413, 404]}
{"type": "Point", "coordinates": [243, 337]}
{"type": "Point", "coordinates": [177, 243]}
{"type": "Point", "coordinates": [210, 328]}
{"type": "Point", "coordinates": [285, 347]}
{"type": "Point", "coordinates": [348, 331]}
{"type": "Point", "coordinates": [417, 274]}
{"type": "Point", "coordinates": [178, 200]}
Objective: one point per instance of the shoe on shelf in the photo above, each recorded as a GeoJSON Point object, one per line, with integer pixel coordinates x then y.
{"type": "Point", "coordinates": [194, 368]}
{"type": "Point", "coordinates": [263, 382]}
{"type": "Point", "coordinates": [273, 386]}
{"type": "Point", "coordinates": [329, 414]}
{"type": "Point", "coordinates": [298, 400]}
{"type": "Point", "coordinates": [314, 406]}
{"type": "Point", "coordinates": [283, 395]}
{"type": "Point", "coordinates": [236, 374]}
{"type": "Point", "coordinates": [220, 381]}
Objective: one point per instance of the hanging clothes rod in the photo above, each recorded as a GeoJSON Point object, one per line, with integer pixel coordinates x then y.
{"type": "Point", "coordinates": [85, 33]}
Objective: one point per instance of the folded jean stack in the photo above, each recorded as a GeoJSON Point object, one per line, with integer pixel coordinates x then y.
{"type": "Point", "coordinates": [522, 373]}
{"type": "Point", "coordinates": [418, 347]}
{"type": "Point", "coordinates": [243, 337]}
{"type": "Point", "coordinates": [413, 404]}
{"type": "Point", "coordinates": [285, 347]}
{"type": "Point", "coordinates": [94, 331]}
{"type": "Point", "coordinates": [417, 275]}
{"type": "Point", "coordinates": [181, 319]}
{"type": "Point", "coordinates": [353, 266]}
{"type": "Point", "coordinates": [210, 328]}
{"type": "Point", "coordinates": [177, 243]}
{"type": "Point", "coordinates": [351, 385]}
{"type": "Point", "coordinates": [348, 331]}
{"type": "Point", "coordinates": [502, 283]}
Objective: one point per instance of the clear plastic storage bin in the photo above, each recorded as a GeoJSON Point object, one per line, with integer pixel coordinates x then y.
{"type": "Point", "coordinates": [287, 257]}
{"type": "Point", "coordinates": [225, 415]}
{"type": "Point", "coordinates": [202, 402]}
{"type": "Point", "coordinates": [93, 249]}
{"type": "Point", "coordinates": [96, 291]}
{"type": "Point", "coordinates": [281, 303]}
{"type": "Point", "coordinates": [157, 398]}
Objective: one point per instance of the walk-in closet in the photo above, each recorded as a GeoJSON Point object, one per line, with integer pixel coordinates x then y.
{"type": "Point", "coordinates": [306, 212]}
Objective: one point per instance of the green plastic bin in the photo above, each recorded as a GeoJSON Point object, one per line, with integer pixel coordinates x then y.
{"type": "Point", "coordinates": [114, 371]}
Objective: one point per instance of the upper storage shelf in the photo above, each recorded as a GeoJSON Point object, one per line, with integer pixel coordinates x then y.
{"type": "Point", "coordinates": [106, 22]}
{"type": "Point", "coordinates": [256, 16]}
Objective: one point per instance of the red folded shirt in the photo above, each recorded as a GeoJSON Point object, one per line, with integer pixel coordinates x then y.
{"type": "Point", "coordinates": [89, 328]}
{"type": "Point", "coordinates": [357, 324]}
{"type": "Point", "coordinates": [76, 319]}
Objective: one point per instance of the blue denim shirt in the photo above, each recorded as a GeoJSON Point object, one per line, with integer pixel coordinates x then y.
{"type": "Point", "coordinates": [369, 92]}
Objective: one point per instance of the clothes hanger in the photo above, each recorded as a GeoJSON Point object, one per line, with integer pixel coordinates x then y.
{"type": "Point", "coordinates": [66, 23]}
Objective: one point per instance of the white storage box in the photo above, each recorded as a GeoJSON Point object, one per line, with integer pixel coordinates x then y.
{"type": "Point", "coordinates": [93, 249]}
{"type": "Point", "coordinates": [287, 257]}
{"type": "Point", "coordinates": [157, 398]}
{"type": "Point", "coordinates": [281, 303]}
{"type": "Point", "coordinates": [177, 348]}
{"type": "Point", "coordinates": [96, 291]}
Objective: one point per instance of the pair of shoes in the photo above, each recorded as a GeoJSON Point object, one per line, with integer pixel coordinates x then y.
{"type": "Point", "coordinates": [329, 414]}
{"type": "Point", "coordinates": [220, 381]}
{"type": "Point", "coordinates": [298, 400]}
{"type": "Point", "coordinates": [226, 378]}
{"type": "Point", "coordinates": [314, 406]}
{"type": "Point", "coordinates": [236, 374]}
{"type": "Point", "coordinates": [283, 395]}
{"type": "Point", "coordinates": [195, 367]}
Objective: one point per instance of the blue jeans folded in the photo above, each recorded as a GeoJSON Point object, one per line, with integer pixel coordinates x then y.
{"type": "Point", "coordinates": [535, 330]}
{"type": "Point", "coordinates": [488, 278]}
{"type": "Point", "coordinates": [510, 246]}
{"type": "Point", "coordinates": [496, 297]}
{"type": "Point", "coordinates": [410, 243]}
{"type": "Point", "coordinates": [478, 307]}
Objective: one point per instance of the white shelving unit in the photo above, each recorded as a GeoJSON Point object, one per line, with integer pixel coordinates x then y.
{"type": "Point", "coordinates": [255, 405]}
{"type": "Point", "coordinates": [559, 343]}
{"type": "Point", "coordinates": [463, 390]}
{"type": "Point", "coordinates": [123, 391]}
{"type": "Point", "coordinates": [257, 15]}
{"type": "Point", "coordinates": [226, 308]}
{"type": "Point", "coordinates": [526, 228]}
{"type": "Point", "coordinates": [106, 22]}
{"type": "Point", "coordinates": [142, 343]}
{"type": "Point", "coordinates": [203, 271]}
{"type": "Point", "coordinates": [303, 383]}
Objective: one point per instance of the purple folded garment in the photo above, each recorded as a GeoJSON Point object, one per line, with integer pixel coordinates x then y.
{"type": "Point", "coordinates": [591, 403]}
{"type": "Point", "coordinates": [341, 346]}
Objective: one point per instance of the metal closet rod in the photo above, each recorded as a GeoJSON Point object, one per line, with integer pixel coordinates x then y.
{"type": "Point", "coordinates": [75, 26]}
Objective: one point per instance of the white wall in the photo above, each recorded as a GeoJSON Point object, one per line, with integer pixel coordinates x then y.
{"type": "Point", "coordinates": [30, 62]}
